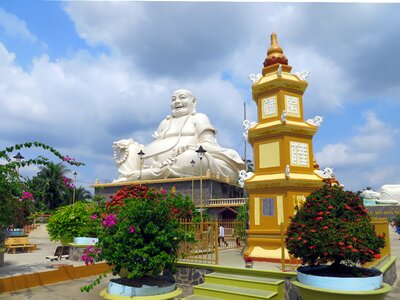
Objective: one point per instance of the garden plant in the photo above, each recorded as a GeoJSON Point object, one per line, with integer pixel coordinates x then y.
{"type": "Point", "coordinates": [139, 233]}
{"type": "Point", "coordinates": [333, 227]}
{"type": "Point", "coordinates": [73, 221]}
{"type": "Point", "coordinates": [15, 197]}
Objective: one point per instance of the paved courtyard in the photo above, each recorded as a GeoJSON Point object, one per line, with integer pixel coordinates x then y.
{"type": "Point", "coordinates": [36, 262]}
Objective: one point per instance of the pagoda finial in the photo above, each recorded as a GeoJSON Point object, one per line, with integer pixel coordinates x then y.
{"type": "Point", "coordinates": [275, 53]}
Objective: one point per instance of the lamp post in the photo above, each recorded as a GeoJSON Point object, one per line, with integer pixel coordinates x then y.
{"type": "Point", "coordinates": [192, 163]}
{"type": "Point", "coordinates": [18, 158]}
{"type": "Point", "coordinates": [74, 191]}
{"type": "Point", "coordinates": [200, 153]}
{"type": "Point", "coordinates": [141, 154]}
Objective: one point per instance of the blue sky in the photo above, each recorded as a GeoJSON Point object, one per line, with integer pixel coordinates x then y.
{"type": "Point", "coordinates": [80, 75]}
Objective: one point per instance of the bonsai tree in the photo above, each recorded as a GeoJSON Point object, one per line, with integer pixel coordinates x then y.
{"type": "Point", "coordinates": [333, 226]}
{"type": "Point", "coordinates": [140, 232]}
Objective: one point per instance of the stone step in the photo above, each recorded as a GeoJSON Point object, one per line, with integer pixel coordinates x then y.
{"type": "Point", "coordinates": [246, 281]}
{"type": "Point", "coordinates": [232, 292]}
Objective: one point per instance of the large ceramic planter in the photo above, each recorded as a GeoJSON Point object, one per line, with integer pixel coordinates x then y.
{"type": "Point", "coordinates": [119, 291]}
{"type": "Point", "coordinates": [307, 292]}
{"type": "Point", "coordinates": [16, 232]}
{"type": "Point", "coordinates": [85, 240]}
{"type": "Point", "coordinates": [342, 283]}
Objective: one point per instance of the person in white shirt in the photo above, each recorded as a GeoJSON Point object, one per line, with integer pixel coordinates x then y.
{"type": "Point", "coordinates": [221, 236]}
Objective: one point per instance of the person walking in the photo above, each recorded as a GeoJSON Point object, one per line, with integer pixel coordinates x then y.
{"type": "Point", "coordinates": [221, 236]}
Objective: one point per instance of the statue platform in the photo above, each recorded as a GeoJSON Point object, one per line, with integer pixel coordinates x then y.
{"type": "Point", "coordinates": [220, 197]}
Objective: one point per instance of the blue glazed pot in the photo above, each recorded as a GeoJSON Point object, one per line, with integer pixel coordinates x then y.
{"type": "Point", "coordinates": [16, 232]}
{"type": "Point", "coordinates": [85, 240]}
{"type": "Point", "coordinates": [145, 290]}
{"type": "Point", "coordinates": [340, 283]}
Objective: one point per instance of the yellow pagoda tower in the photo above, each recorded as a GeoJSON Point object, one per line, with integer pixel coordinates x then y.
{"type": "Point", "coordinates": [283, 155]}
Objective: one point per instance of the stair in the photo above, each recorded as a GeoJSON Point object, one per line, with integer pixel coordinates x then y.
{"type": "Point", "coordinates": [238, 287]}
{"type": "Point", "coordinates": [197, 297]}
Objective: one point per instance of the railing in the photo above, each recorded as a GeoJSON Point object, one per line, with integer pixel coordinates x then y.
{"type": "Point", "coordinates": [226, 202]}
{"type": "Point", "coordinates": [202, 242]}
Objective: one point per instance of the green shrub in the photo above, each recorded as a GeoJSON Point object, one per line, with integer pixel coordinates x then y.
{"type": "Point", "coordinates": [73, 221]}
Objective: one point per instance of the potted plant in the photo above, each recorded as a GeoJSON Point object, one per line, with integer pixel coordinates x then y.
{"type": "Point", "coordinates": [248, 262]}
{"type": "Point", "coordinates": [71, 221]}
{"type": "Point", "coordinates": [333, 235]}
{"type": "Point", "coordinates": [139, 237]}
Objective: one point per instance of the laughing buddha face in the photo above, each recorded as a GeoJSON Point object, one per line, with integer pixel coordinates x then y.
{"type": "Point", "coordinates": [183, 103]}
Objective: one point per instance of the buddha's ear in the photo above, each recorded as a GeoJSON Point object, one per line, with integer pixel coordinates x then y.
{"type": "Point", "coordinates": [194, 104]}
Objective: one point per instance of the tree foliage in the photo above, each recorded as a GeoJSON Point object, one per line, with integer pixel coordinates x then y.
{"type": "Point", "coordinates": [333, 226]}
{"type": "Point", "coordinates": [49, 185]}
{"type": "Point", "coordinates": [12, 185]}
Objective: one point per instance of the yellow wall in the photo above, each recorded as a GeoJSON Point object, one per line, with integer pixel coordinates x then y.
{"type": "Point", "coordinates": [269, 154]}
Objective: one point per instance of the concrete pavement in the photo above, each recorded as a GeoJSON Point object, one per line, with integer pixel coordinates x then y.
{"type": "Point", "coordinates": [28, 262]}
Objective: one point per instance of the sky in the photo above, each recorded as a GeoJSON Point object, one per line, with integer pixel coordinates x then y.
{"type": "Point", "coordinates": [81, 75]}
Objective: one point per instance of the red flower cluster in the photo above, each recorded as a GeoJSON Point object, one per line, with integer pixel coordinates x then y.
{"type": "Point", "coordinates": [130, 191]}
{"type": "Point", "coordinates": [178, 206]}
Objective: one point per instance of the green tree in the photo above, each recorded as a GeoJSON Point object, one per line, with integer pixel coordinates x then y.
{"type": "Point", "coordinates": [12, 185]}
{"type": "Point", "coordinates": [49, 185]}
{"type": "Point", "coordinates": [243, 220]}
{"type": "Point", "coordinates": [81, 194]}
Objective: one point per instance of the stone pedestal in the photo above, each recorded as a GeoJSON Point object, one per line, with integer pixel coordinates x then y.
{"type": "Point", "coordinates": [76, 251]}
{"type": "Point", "coordinates": [212, 188]}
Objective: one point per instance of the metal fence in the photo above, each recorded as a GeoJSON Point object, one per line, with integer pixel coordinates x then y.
{"type": "Point", "coordinates": [202, 243]}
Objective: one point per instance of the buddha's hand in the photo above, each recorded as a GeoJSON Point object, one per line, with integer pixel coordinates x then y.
{"type": "Point", "coordinates": [180, 149]}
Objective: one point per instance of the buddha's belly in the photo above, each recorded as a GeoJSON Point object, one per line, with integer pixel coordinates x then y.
{"type": "Point", "coordinates": [161, 150]}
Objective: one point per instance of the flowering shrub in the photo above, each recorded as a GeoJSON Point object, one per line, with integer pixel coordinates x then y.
{"type": "Point", "coordinates": [140, 234]}
{"type": "Point", "coordinates": [27, 196]}
{"type": "Point", "coordinates": [180, 207]}
{"type": "Point", "coordinates": [130, 191]}
{"type": "Point", "coordinates": [68, 183]}
{"type": "Point", "coordinates": [12, 184]}
{"type": "Point", "coordinates": [89, 255]}
{"type": "Point", "coordinates": [333, 226]}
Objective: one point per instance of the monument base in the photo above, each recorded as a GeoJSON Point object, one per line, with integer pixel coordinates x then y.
{"type": "Point", "coordinates": [211, 188]}
{"type": "Point", "coordinates": [262, 247]}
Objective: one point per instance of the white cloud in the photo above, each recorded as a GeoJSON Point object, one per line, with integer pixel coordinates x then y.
{"type": "Point", "coordinates": [84, 102]}
{"type": "Point", "coordinates": [364, 159]}
{"type": "Point", "coordinates": [372, 139]}
{"type": "Point", "coordinates": [375, 135]}
{"type": "Point", "coordinates": [15, 27]}
{"type": "Point", "coordinates": [341, 155]}
{"type": "Point", "coordinates": [388, 175]}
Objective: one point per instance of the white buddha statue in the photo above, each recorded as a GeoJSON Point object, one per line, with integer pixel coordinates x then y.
{"type": "Point", "coordinates": [174, 145]}
{"type": "Point", "coordinates": [390, 194]}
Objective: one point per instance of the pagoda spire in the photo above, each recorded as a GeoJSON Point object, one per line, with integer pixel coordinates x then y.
{"type": "Point", "coordinates": [275, 53]}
